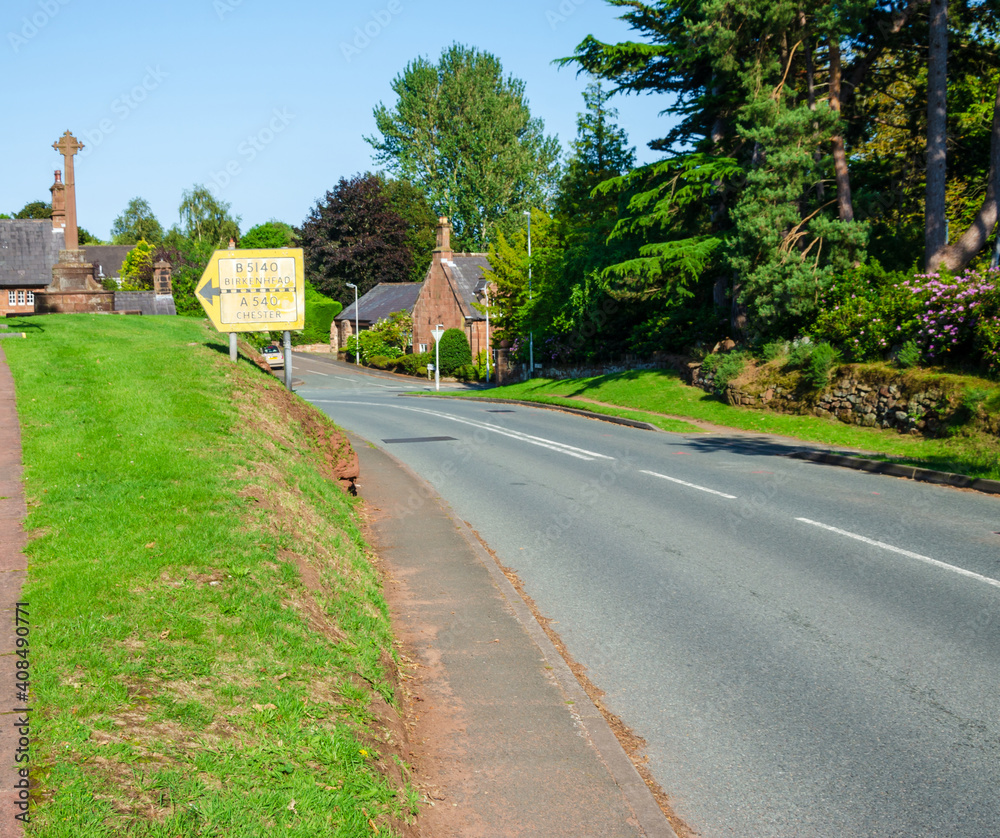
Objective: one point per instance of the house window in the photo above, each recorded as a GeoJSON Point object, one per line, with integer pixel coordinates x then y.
{"type": "Point", "coordinates": [423, 347]}
{"type": "Point", "coordinates": [31, 298]}
{"type": "Point", "coordinates": [20, 297]}
{"type": "Point", "coordinates": [11, 298]}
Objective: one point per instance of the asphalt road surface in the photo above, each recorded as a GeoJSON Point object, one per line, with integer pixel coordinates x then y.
{"type": "Point", "coordinates": [807, 651]}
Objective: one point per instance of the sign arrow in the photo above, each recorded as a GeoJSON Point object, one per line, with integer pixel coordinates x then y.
{"type": "Point", "coordinates": [209, 293]}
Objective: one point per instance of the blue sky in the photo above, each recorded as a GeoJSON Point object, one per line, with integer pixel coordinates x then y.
{"type": "Point", "coordinates": [266, 103]}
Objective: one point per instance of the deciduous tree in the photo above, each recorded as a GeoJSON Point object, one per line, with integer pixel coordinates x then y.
{"type": "Point", "coordinates": [206, 219]}
{"type": "Point", "coordinates": [462, 132]}
{"type": "Point", "coordinates": [354, 235]}
{"type": "Point", "coordinates": [136, 223]}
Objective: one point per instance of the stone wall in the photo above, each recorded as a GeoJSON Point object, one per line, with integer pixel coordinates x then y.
{"type": "Point", "coordinates": [890, 403]}
{"type": "Point", "coordinates": [146, 302]}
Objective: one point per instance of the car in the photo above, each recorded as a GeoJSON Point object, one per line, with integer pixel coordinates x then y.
{"type": "Point", "coordinates": [274, 356]}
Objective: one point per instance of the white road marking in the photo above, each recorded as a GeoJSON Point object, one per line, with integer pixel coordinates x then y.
{"type": "Point", "coordinates": [926, 559]}
{"type": "Point", "coordinates": [689, 485]}
{"type": "Point", "coordinates": [551, 444]}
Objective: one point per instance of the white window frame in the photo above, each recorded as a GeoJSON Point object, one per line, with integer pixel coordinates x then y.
{"type": "Point", "coordinates": [30, 296]}
{"type": "Point", "coordinates": [12, 298]}
{"type": "Point", "coordinates": [20, 296]}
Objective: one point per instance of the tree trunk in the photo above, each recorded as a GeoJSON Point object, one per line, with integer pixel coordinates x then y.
{"type": "Point", "coordinates": [935, 236]}
{"type": "Point", "coordinates": [958, 255]}
{"type": "Point", "coordinates": [844, 202]}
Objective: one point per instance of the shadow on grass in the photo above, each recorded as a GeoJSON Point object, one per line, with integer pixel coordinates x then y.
{"type": "Point", "coordinates": [29, 325]}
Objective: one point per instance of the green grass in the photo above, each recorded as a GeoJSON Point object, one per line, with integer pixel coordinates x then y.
{"type": "Point", "coordinates": [661, 392]}
{"type": "Point", "coordinates": [177, 684]}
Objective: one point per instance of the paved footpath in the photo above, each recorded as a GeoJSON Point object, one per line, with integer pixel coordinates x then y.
{"type": "Point", "coordinates": [13, 566]}
{"type": "Point", "coordinates": [508, 745]}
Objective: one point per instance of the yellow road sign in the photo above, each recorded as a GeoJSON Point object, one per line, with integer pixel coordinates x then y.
{"type": "Point", "coordinates": [254, 290]}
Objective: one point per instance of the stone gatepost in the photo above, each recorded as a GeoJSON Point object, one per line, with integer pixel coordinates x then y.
{"type": "Point", "coordinates": [161, 278]}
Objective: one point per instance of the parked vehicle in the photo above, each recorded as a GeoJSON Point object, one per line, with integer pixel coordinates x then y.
{"type": "Point", "coordinates": [274, 357]}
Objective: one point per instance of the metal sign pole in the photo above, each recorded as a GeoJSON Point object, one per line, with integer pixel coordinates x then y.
{"type": "Point", "coordinates": [287, 340]}
{"type": "Point", "coordinates": [232, 347]}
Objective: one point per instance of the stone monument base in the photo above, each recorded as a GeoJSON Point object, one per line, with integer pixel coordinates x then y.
{"type": "Point", "coordinates": [73, 273]}
{"type": "Point", "coordinates": [73, 287]}
{"type": "Point", "coordinates": [70, 302]}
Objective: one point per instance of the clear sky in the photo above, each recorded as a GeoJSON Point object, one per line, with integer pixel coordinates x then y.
{"type": "Point", "coordinates": [267, 103]}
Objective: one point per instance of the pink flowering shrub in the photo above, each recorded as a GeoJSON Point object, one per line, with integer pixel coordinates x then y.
{"type": "Point", "coordinates": [867, 313]}
{"type": "Point", "coordinates": [960, 318]}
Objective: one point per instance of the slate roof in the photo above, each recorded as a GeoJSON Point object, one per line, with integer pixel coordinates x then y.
{"type": "Point", "coordinates": [107, 257]}
{"type": "Point", "coordinates": [384, 299]}
{"type": "Point", "coordinates": [28, 250]}
{"type": "Point", "coordinates": [465, 272]}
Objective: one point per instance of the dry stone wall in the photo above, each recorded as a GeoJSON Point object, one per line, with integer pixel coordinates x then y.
{"type": "Point", "coordinates": [871, 404]}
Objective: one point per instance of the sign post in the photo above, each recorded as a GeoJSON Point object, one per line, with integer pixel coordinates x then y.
{"type": "Point", "coordinates": [437, 331]}
{"type": "Point", "coordinates": [255, 291]}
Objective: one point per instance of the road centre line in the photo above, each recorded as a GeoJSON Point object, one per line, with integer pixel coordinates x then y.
{"type": "Point", "coordinates": [689, 485]}
{"type": "Point", "coordinates": [926, 559]}
{"type": "Point", "coordinates": [551, 444]}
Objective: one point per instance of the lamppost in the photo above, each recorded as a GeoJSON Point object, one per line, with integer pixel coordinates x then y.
{"type": "Point", "coordinates": [357, 331]}
{"type": "Point", "coordinates": [437, 331]}
{"type": "Point", "coordinates": [486, 306]}
{"type": "Point", "coordinates": [531, 335]}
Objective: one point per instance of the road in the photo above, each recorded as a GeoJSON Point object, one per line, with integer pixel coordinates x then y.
{"type": "Point", "coordinates": [807, 651]}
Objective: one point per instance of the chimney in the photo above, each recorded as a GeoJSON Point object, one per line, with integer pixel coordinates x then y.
{"type": "Point", "coordinates": [443, 249]}
{"type": "Point", "coordinates": [58, 190]}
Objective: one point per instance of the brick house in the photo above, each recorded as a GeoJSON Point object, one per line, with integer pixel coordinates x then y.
{"type": "Point", "coordinates": [453, 283]}
{"type": "Point", "coordinates": [28, 250]}
{"type": "Point", "coordinates": [384, 299]}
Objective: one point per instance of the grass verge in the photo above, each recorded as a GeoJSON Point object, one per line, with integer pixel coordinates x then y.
{"type": "Point", "coordinates": [642, 393]}
{"type": "Point", "coordinates": [211, 654]}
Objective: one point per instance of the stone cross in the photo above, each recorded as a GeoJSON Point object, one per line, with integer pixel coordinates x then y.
{"type": "Point", "coordinates": [67, 146]}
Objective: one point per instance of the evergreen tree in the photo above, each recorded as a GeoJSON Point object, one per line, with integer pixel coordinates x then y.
{"type": "Point", "coordinates": [600, 152]}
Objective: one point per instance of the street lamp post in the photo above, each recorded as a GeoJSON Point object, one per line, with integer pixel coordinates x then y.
{"type": "Point", "coordinates": [486, 306]}
{"type": "Point", "coordinates": [357, 331]}
{"type": "Point", "coordinates": [437, 331]}
{"type": "Point", "coordinates": [531, 335]}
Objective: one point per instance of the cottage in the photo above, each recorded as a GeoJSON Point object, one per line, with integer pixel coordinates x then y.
{"type": "Point", "coordinates": [28, 251]}
{"type": "Point", "coordinates": [455, 282]}
{"type": "Point", "coordinates": [384, 299]}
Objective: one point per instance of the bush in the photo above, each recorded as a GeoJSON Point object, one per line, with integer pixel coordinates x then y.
{"type": "Point", "coordinates": [867, 311]}
{"type": "Point", "coordinates": [725, 367]}
{"type": "Point", "coordinates": [822, 360]}
{"type": "Point", "coordinates": [775, 350]}
{"type": "Point", "coordinates": [454, 351]}
{"type": "Point", "coordinates": [467, 372]}
{"type": "Point", "coordinates": [816, 360]}
{"type": "Point", "coordinates": [908, 355]}
{"type": "Point", "coordinates": [415, 364]}
{"type": "Point", "coordinates": [320, 311]}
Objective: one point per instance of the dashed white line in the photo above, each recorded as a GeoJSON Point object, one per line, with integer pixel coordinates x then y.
{"type": "Point", "coordinates": [689, 485]}
{"type": "Point", "coordinates": [926, 559]}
